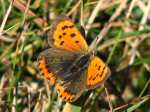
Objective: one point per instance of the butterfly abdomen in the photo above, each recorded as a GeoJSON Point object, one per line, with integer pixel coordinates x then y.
{"type": "Point", "coordinates": [80, 63]}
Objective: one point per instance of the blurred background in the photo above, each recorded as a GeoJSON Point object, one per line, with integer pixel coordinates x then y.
{"type": "Point", "coordinates": [123, 29]}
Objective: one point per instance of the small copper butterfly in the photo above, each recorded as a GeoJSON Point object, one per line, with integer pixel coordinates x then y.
{"type": "Point", "coordinates": [69, 64]}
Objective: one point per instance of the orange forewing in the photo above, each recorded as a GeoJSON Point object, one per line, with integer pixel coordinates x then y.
{"type": "Point", "coordinates": [97, 73]}
{"type": "Point", "coordinates": [64, 35]}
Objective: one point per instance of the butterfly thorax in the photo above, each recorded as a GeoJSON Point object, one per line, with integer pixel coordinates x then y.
{"type": "Point", "coordinates": [80, 63]}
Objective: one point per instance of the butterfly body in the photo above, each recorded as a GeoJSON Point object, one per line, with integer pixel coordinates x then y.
{"type": "Point", "coordinates": [69, 64]}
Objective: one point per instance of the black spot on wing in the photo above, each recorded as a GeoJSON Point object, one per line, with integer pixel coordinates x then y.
{"type": "Point", "coordinates": [71, 26]}
{"type": "Point", "coordinates": [64, 27]}
{"type": "Point", "coordinates": [97, 74]}
{"type": "Point", "coordinates": [62, 42]}
{"type": "Point", "coordinates": [99, 67]}
{"type": "Point", "coordinates": [76, 41]}
{"type": "Point", "coordinates": [72, 34]}
{"type": "Point", "coordinates": [94, 78]}
{"type": "Point", "coordinates": [102, 71]}
{"type": "Point", "coordinates": [64, 33]}
{"type": "Point", "coordinates": [60, 37]}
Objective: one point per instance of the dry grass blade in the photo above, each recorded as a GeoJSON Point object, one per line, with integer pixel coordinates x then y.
{"type": "Point", "coordinates": [14, 103]}
{"type": "Point", "coordinates": [133, 3]}
{"type": "Point", "coordinates": [74, 8]}
{"type": "Point", "coordinates": [40, 22]}
{"type": "Point", "coordinates": [136, 43]}
{"type": "Point", "coordinates": [118, 11]}
{"type": "Point", "coordinates": [95, 12]}
{"type": "Point", "coordinates": [5, 19]}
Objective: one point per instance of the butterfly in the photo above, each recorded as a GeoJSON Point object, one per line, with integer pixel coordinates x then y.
{"type": "Point", "coordinates": [69, 63]}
